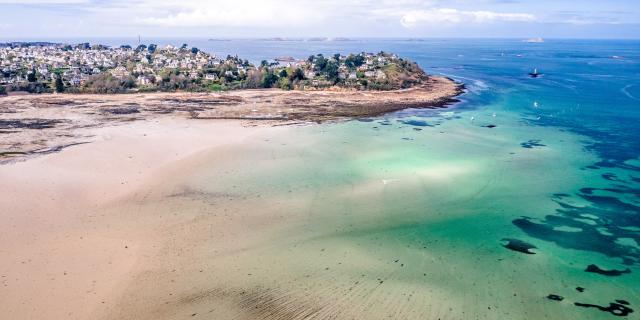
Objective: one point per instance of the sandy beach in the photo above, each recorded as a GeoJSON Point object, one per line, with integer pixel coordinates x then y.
{"type": "Point", "coordinates": [121, 228]}
{"type": "Point", "coordinates": [180, 219]}
{"type": "Point", "coordinates": [66, 254]}
{"type": "Point", "coordinates": [102, 220]}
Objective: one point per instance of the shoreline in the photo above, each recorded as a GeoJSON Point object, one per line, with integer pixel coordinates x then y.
{"type": "Point", "coordinates": [31, 125]}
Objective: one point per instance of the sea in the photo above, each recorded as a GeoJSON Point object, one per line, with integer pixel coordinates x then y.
{"type": "Point", "coordinates": [520, 201]}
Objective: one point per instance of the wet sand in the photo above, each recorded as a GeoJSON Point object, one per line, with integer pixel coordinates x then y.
{"type": "Point", "coordinates": [181, 219]}
{"type": "Point", "coordinates": [65, 255]}
{"type": "Point", "coordinates": [98, 222]}
{"type": "Point", "coordinates": [122, 228]}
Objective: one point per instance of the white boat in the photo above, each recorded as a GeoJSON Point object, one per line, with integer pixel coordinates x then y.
{"type": "Point", "coordinates": [535, 73]}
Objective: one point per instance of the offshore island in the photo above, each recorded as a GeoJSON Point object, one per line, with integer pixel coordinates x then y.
{"type": "Point", "coordinates": [81, 86]}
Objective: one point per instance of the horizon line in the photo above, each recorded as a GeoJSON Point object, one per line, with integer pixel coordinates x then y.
{"type": "Point", "coordinates": [297, 38]}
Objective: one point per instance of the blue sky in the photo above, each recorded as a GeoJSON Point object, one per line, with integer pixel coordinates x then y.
{"type": "Point", "coordinates": [42, 19]}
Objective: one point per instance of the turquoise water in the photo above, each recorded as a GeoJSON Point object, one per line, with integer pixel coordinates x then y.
{"type": "Point", "coordinates": [494, 208]}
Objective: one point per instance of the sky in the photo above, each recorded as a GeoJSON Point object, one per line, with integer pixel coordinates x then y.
{"type": "Point", "coordinates": [55, 19]}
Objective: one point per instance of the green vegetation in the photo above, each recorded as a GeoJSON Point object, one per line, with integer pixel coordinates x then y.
{"type": "Point", "coordinates": [85, 68]}
{"type": "Point", "coordinates": [268, 79]}
{"type": "Point", "coordinates": [31, 76]}
{"type": "Point", "coordinates": [58, 85]}
{"type": "Point", "coordinates": [105, 83]}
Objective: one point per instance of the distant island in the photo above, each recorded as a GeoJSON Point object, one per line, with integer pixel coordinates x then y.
{"type": "Point", "coordinates": [84, 68]}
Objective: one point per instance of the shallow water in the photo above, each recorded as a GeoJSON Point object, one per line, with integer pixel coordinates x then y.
{"type": "Point", "coordinates": [426, 213]}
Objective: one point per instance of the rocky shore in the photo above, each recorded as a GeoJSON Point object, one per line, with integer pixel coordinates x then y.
{"type": "Point", "coordinates": [36, 124]}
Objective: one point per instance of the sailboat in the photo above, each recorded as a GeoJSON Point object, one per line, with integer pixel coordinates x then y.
{"type": "Point", "coordinates": [535, 73]}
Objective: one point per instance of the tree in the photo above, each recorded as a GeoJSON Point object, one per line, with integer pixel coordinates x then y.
{"type": "Point", "coordinates": [336, 56]}
{"type": "Point", "coordinates": [283, 73]}
{"type": "Point", "coordinates": [332, 71]}
{"type": "Point", "coordinates": [229, 77]}
{"type": "Point", "coordinates": [141, 47]}
{"type": "Point", "coordinates": [298, 74]}
{"type": "Point", "coordinates": [284, 84]}
{"type": "Point", "coordinates": [31, 76]}
{"type": "Point", "coordinates": [354, 61]}
{"type": "Point", "coordinates": [184, 46]}
{"type": "Point", "coordinates": [3, 90]}
{"type": "Point", "coordinates": [321, 62]}
{"type": "Point", "coordinates": [195, 50]}
{"type": "Point", "coordinates": [152, 48]}
{"type": "Point", "coordinates": [268, 79]}
{"type": "Point", "coordinates": [58, 85]}
{"type": "Point", "coordinates": [264, 63]}
{"type": "Point", "coordinates": [125, 46]}
{"type": "Point", "coordinates": [129, 83]}
{"type": "Point", "coordinates": [106, 83]}
{"type": "Point", "coordinates": [254, 78]}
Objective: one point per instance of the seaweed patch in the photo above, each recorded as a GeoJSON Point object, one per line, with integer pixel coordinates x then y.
{"type": "Point", "coordinates": [29, 123]}
{"type": "Point", "coordinates": [519, 246]}
{"type": "Point", "coordinates": [555, 297]}
{"type": "Point", "coordinates": [532, 144]}
{"type": "Point", "coordinates": [611, 273]}
{"type": "Point", "coordinates": [417, 123]}
{"type": "Point", "coordinates": [615, 308]}
{"type": "Point", "coordinates": [610, 219]}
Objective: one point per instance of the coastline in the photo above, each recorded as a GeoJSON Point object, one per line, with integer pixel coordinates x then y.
{"type": "Point", "coordinates": [39, 124]}
{"type": "Point", "coordinates": [107, 253]}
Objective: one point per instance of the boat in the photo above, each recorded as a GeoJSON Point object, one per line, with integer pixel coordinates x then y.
{"type": "Point", "coordinates": [535, 73]}
{"type": "Point", "coordinates": [534, 40]}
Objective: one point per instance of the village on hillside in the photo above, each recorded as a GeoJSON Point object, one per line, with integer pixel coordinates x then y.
{"type": "Point", "coordinates": [85, 68]}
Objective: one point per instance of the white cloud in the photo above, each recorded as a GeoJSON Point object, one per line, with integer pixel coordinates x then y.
{"type": "Point", "coordinates": [279, 13]}
{"type": "Point", "coordinates": [292, 16]}
{"type": "Point", "coordinates": [266, 13]}
{"type": "Point", "coordinates": [413, 18]}
{"type": "Point", "coordinates": [43, 1]}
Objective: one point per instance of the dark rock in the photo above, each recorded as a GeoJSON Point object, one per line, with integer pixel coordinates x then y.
{"type": "Point", "coordinates": [555, 297]}
{"type": "Point", "coordinates": [615, 309]}
{"type": "Point", "coordinates": [610, 273]}
{"type": "Point", "coordinates": [519, 246]}
{"type": "Point", "coordinates": [532, 144]}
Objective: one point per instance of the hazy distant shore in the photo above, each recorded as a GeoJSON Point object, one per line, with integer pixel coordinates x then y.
{"type": "Point", "coordinates": [35, 124]}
